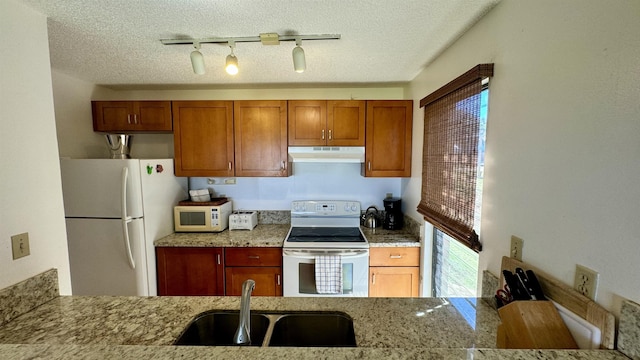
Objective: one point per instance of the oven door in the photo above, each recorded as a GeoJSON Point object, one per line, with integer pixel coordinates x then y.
{"type": "Point", "coordinates": [299, 272]}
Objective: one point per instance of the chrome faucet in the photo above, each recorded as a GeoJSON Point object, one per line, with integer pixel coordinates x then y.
{"type": "Point", "coordinates": [242, 336]}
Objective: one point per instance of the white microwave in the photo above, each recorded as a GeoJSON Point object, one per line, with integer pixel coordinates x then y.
{"type": "Point", "coordinates": [201, 218]}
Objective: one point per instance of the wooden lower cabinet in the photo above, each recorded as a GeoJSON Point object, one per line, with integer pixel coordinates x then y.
{"type": "Point", "coordinates": [191, 271]}
{"type": "Point", "coordinates": [402, 281]}
{"type": "Point", "coordinates": [263, 265]}
{"type": "Point", "coordinates": [394, 272]}
{"type": "Point", "coordinates": [268, 280]}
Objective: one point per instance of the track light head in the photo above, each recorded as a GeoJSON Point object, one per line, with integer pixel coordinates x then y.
{"type": "Point", "coordinates": [231, 64]}
{"type": "Point", "coordinates": [299, 62]}
{"type": "Point", "coordinates": [197, 60]}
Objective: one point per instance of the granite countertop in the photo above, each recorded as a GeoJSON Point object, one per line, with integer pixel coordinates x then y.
{"type": "Point", "coordinates": [273, 235]}
{"type": "Point", "coordinates": [75, 327]}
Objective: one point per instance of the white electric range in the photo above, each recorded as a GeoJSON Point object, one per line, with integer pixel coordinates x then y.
{"type": "Point", "coordinates": [325, 228]}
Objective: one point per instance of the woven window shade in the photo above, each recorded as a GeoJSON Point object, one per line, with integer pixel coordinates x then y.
{"type": "Point", "coordinates": [450, 155]}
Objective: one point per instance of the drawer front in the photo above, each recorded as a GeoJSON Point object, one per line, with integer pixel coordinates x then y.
{"type": "Point", "coordinates": [394, 256]}
{"type": "Point", "coordinates": [253, 256]}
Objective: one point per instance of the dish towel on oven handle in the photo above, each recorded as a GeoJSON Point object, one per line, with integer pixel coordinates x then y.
{"type": "Point", "coordinates": [328, 274]}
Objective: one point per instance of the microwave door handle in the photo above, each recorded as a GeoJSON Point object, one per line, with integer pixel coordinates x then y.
{"type": "Point", "coordinates": [125, 219]}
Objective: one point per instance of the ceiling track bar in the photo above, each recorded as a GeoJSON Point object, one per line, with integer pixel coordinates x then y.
{"type": "Point", "coordinates": [225, 40]}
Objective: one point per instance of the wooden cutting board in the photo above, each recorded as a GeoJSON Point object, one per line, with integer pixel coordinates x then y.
{"type": "Point", "coordinates": [570, 299]}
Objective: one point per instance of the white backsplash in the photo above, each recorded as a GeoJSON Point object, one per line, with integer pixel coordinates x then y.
{"type": "Point", "coordinates": [316, 181]}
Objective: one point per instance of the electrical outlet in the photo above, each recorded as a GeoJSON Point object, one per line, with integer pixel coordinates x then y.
{"type": "Point", "coordinates": [20, 245]}
{"type": "Point", "coordinates": [516, 247]}
{"type": "Point", "coordinates": [586, 282]}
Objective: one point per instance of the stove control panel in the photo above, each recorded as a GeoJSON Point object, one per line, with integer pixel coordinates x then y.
{"type": "Point", "coordinates": [325, 208]}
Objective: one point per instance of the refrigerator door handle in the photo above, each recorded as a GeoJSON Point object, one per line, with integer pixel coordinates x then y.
{"type": "Point", "coordinates": [127, 243]}
{"type": "Point", "coordinates": [126, 219]}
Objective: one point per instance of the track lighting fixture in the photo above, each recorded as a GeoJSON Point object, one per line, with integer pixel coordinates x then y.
{"type": "Point", "coordinates": [267, 39]}
{"type": "Point", "coordinates": [197, 60]}
{"type": "Point", "coordinates": [299, 62]}
{"type": "Point", "coordinates": [231, 65]}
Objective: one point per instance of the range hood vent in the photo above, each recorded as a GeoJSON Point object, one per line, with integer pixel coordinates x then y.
{"type": "Point", "coordinates": [334, 154]}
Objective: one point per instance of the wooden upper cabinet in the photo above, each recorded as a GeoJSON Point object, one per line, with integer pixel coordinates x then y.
{"type": "Point", "coordinates": [260, 130]}
{"type": "Point", "coordinates": [131, 116]}
{"type": "Point", "coordinates": [203, 138]}
{"type": "Point", "coordinates": [388, 131]}
{"type": "Point", "coordinates": [345, 122]}
{"type": "Point", "coordinates": [326, 123]}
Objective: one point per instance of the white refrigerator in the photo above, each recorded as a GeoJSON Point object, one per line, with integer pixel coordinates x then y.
{"type": "Point", "coordinates": [115, 209]}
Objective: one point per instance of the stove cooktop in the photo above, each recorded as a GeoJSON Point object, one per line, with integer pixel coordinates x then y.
{"type": "Point", "coordinates": [326, 234]}
{"type": "Point", "coordinates": [326, 238]}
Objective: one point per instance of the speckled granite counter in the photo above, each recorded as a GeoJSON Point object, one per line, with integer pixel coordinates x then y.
{"type": "Point", "coordinates": [379, 237]}
{"type": "Point", "coordinates": [270, 235]}
{"type": "Point", "coordinates": [378, 322]}
{"type": "Point", "coordinates": [143, 328]}
{"type": "Point", "coordinates": [273, 235]}
{"type": "Point", "coordinates": [97, 327]}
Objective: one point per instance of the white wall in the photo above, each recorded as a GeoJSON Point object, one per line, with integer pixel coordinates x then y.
{"type": "Point", "coordinates": [31, 195]}
{"type": "Point", "coordinates": [563, 136]}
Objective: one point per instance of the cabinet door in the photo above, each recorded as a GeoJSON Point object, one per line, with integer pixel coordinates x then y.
{"type": "Point", "coordinates": [307, 122]}
{"type": "Point", "coordinates": [190, 271]}
{"type": "Point", "coordinates": [152, 115]}
{"type": "Point", "coordinates": [203, 138]}
{"type": "Point", "coordinates": [260, 130]}
{"type": "Point", "coordinates": [388, 138]}
{"type": "Point", "coordinates": [394, 281]}
{"type": "Point", "coordinates": [268, 280]}
{"type": "Point", "coordinates": [112, 116]}
{"type": "Point", "coordinates": [345, 122]}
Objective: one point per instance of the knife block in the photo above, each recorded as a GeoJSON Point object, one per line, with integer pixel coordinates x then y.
{"type": "Point", "coordinates": [533, 325]}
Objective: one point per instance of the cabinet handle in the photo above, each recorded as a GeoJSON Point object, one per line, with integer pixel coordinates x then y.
{"type": "Point", "coordinates": [373, 279]}
{"type": "Point", "coordinates": [230, 166]}
{"type": "Point", "coordinates": [254, 257]}
{"type": "Point", "coordinates": [395, 256]}
{"type": "Point", "coordinates": [330, 137]}
{"type": "Point", "coordinates": [369, 165]}
{"type": "Point", "coordinates": [135, 118]}
{"type": "Point", "coordinates": [278, 279]}
{"type": "Point", "coordinates": [218, 259]}
{"type": "Point", "coordinates": [129, 118]}
{"type": "Point", "coordinates": [284, 166]}
{"type": "Point", "coordinates": [322, 134]}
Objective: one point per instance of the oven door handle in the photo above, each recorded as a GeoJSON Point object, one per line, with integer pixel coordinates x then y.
{"type": "Point", "coordinates": [311, 254]}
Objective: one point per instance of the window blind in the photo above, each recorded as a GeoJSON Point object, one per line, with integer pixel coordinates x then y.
{"type": "Point", "coordinates": [450, 155]}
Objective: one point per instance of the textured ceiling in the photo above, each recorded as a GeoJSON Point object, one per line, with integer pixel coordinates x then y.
{"type": "Point", "coordinates": [117, 42]}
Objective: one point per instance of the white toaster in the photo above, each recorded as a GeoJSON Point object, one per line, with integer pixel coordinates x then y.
{"type": "Point", "coordinates": [243, 220]}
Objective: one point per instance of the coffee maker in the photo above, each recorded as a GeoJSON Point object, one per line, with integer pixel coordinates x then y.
{"type": "Point", "coordinates": [392, 214]}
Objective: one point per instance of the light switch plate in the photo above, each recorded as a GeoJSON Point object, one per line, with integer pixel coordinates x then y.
{"type": "Point", "coordinates": [20, 245]}
{"type": "Point", "coordinates": [516, 247]}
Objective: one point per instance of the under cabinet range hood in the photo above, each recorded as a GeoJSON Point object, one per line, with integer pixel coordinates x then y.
{"type": "Point", "coordinates": [327, 154]}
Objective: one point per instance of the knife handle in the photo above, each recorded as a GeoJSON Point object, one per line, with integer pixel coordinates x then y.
{"type": "Point", "coordinates": [534, 284]}
{"type": "Point", "coordinates": [524, 282]}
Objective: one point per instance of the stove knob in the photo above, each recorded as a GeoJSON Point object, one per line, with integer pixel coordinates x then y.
{"type": "Point", "coordinates": [354, 207]}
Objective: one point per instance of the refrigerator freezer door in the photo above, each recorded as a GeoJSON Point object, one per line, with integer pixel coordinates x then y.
{"type": "Point", "coordinates": [99, 261]}
{"type": "Point", "coordinates": [161, 191]}
{"type": "Point", "coordinates": [92, 188]}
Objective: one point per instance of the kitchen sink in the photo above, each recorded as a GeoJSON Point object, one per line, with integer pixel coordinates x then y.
{"type": "Point", "coordinates": [299, 329]}
{"type": "Point", "coordinates": [217, 328]}
{"type": "Point", "coordinates": [313, 329]}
